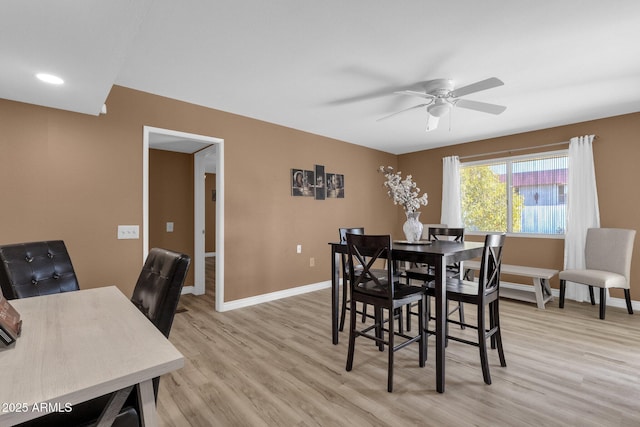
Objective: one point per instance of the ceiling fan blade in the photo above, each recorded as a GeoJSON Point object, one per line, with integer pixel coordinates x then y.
{"type": "Point", "coordinates": [480, 106]}
{"type": "Point", "coordinates": [414, 93]}
{"type": "Point", "coordinates": [477, 87]}
{"type": "Point", "coordinates": [402, 111]}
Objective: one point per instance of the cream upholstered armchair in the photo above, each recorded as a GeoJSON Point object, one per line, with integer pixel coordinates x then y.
{"type": "Point", "coordinates": [608, 265]}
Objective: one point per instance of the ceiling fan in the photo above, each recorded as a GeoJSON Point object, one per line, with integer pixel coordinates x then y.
{"type": "Point", "coordinates": [442, 96]}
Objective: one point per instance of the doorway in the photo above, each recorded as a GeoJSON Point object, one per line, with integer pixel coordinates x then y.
{"type": "Point", "coordinates": [208, 156]}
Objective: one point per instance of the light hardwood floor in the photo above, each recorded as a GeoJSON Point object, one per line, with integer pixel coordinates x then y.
{"type": "Point", "coordinates": [274, 365]}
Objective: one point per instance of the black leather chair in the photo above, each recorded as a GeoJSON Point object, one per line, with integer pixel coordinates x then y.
{"type": "Point", "coordinates": [156, 295]}
{"type": "Point", "coordinates": [158, 289]}
{"type": "Point", "coordinates": [36, 268]}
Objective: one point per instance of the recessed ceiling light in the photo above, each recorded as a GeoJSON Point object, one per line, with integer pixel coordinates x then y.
{"type": "Point", "coordinates": [50, 78]}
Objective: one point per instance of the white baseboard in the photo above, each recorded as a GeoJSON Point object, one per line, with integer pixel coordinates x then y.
{"type": "Point", "coordinates": [272, 296]}
{"type": "Point", "coordinates": [187, 290]}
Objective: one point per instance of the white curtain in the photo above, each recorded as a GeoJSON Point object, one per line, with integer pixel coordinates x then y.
{"type": "Point", "coordinates": [582, 210]}
{"type": "Point", "coordinates": [451, 213]}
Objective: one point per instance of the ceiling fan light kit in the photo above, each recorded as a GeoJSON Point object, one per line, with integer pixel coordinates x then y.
{"type": "Point", "coordinates": [441, 95]}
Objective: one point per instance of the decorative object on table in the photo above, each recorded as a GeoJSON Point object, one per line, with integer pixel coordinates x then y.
{"type": "Point", "coordinates": [10, 322]}
{"type": "Point", "coordinates": [412, 227]}
{"type": "Point", "coordinates": [406, 193]}
{"type": "Point", "coordinates": [335, 186]}
{"type": "Point", "coordinates": [321, 189]}
{"type": "Point", "coordinates": [302, 183]}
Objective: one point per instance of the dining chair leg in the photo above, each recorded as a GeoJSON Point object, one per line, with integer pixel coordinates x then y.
{"type": "Point", "coordinates": [379, 319]}
{"type": "Point", "coordinates": [422, 307]}
{"type": "Point", "coordinates": [627, 297]}
{"type": "Point", "coordinates": [498, 334]}
{"type": "Point", "coordinates": [343, 313]}
{"type": "Point", "coordinates": [563, 286]}
{"type": "Point", "coordinates": [603, 302]}
{"type": "Point", "coordinates": [482, 345]}
{"type": "Point", "coordinates": [492, 321]}
{"type": "Point", "coordinates": [591, 296]}
{"type": "Point", "coordinates": [352, 335]}
{"type": "Point", "coordinates": [390, 344]}
{"type": "Point", "coordinates": [461, 314]}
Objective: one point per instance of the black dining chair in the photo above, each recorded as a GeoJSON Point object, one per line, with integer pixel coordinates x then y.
{"type": "Point", "coordinates": [426, 273]}
{"type": "Point", "coordinates": [36, 268]}
{"type": "Point", "coordinates": [383, 293]}
{"type": "Point", "coordinates": [484, 293]}
{"type": "Point", "coordinates": [346, 276]}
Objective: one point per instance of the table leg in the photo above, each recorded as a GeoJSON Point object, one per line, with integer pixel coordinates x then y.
{"type": "Point", "coordinates": [335, 284]}
{"type": "Point", "coordinates": [110, 412]}
{"type": "Point", "coordinates": [147, 401]}
{"type": "Point", "coordinates": [441, 321]}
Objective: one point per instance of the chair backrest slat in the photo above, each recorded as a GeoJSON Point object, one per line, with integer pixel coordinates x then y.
{"type": "Point", "coordinates": [343, 239]}
{"type": "Point", "coordinates": [436, 233]}
{"type": "Point", "coordinates": [367, 250]}
{"type": "Point", "coordinates": [489, 279]}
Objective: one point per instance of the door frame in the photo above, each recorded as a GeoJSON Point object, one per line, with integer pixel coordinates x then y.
{"type": "Point", "coordinates": [199, 217]}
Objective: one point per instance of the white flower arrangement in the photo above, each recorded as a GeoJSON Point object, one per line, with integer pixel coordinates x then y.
{"type": "Point", "coordinates": [403, 191]}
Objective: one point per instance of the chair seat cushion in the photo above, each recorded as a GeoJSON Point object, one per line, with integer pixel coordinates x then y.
{"type": "Point", "coordinates": [597, 278]}
{"type": "Point", "coordinates": [380, 289]}
{"type": "Point", "coordinates": [458, 286]}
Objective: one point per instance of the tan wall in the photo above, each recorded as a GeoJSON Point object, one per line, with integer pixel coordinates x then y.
{"type": "Point", "coordinates": [76, 177]}
{"type": "Point", "coordinates": [210, 213]}
{"type": "Point", "coordinates": [171, 200]}
{"type": "Point", "coordinates": [616, 152]}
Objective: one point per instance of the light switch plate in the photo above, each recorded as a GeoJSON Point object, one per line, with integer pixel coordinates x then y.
{"type": "Point", "coordinates": [128, 232]}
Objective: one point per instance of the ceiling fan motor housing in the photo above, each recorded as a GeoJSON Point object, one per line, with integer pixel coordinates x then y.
{"type": "Point", "coordinates": [439, 88]}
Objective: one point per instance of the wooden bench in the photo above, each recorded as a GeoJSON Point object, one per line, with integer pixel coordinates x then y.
{"type": "Point", "coordinates": [541, 290]}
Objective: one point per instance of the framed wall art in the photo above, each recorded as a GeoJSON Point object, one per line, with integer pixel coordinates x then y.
{"type": "Point", "coordinates": [321, 189]}
{"type": "Point", "coordinates": [335, 185]}
{"type": "Point", "coordinates": [302, 183]}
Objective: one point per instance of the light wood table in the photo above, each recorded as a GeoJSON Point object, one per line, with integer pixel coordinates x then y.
{"type": "Point", "coordinates": [76, 346]}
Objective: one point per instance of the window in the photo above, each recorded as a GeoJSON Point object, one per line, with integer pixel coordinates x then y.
{"type": "Point", "coordinates": [524, 194]}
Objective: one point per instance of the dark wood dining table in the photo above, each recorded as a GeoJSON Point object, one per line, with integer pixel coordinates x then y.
{"type": "Point", "coordinates": [437, 253]}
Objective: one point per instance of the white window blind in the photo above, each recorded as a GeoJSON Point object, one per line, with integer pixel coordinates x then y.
{"type": "Point", "coordinates": [523, 194]}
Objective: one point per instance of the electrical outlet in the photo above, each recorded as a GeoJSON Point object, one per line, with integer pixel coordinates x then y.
{"type": "Point", "coordinates": [299, 249]}
{"type": "Point", "coordinates": [312, 262]}
{"type": "Point", "coordinates": [128, 232]}
{"type": "Point", "coordinates": [169, 227]}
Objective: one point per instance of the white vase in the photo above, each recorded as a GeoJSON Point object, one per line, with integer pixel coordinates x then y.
{"type": "Point", "coordinates": [412, 227]}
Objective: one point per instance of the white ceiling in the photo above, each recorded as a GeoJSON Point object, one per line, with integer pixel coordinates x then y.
{"type": "Point", "coordinates": [330, 67]}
